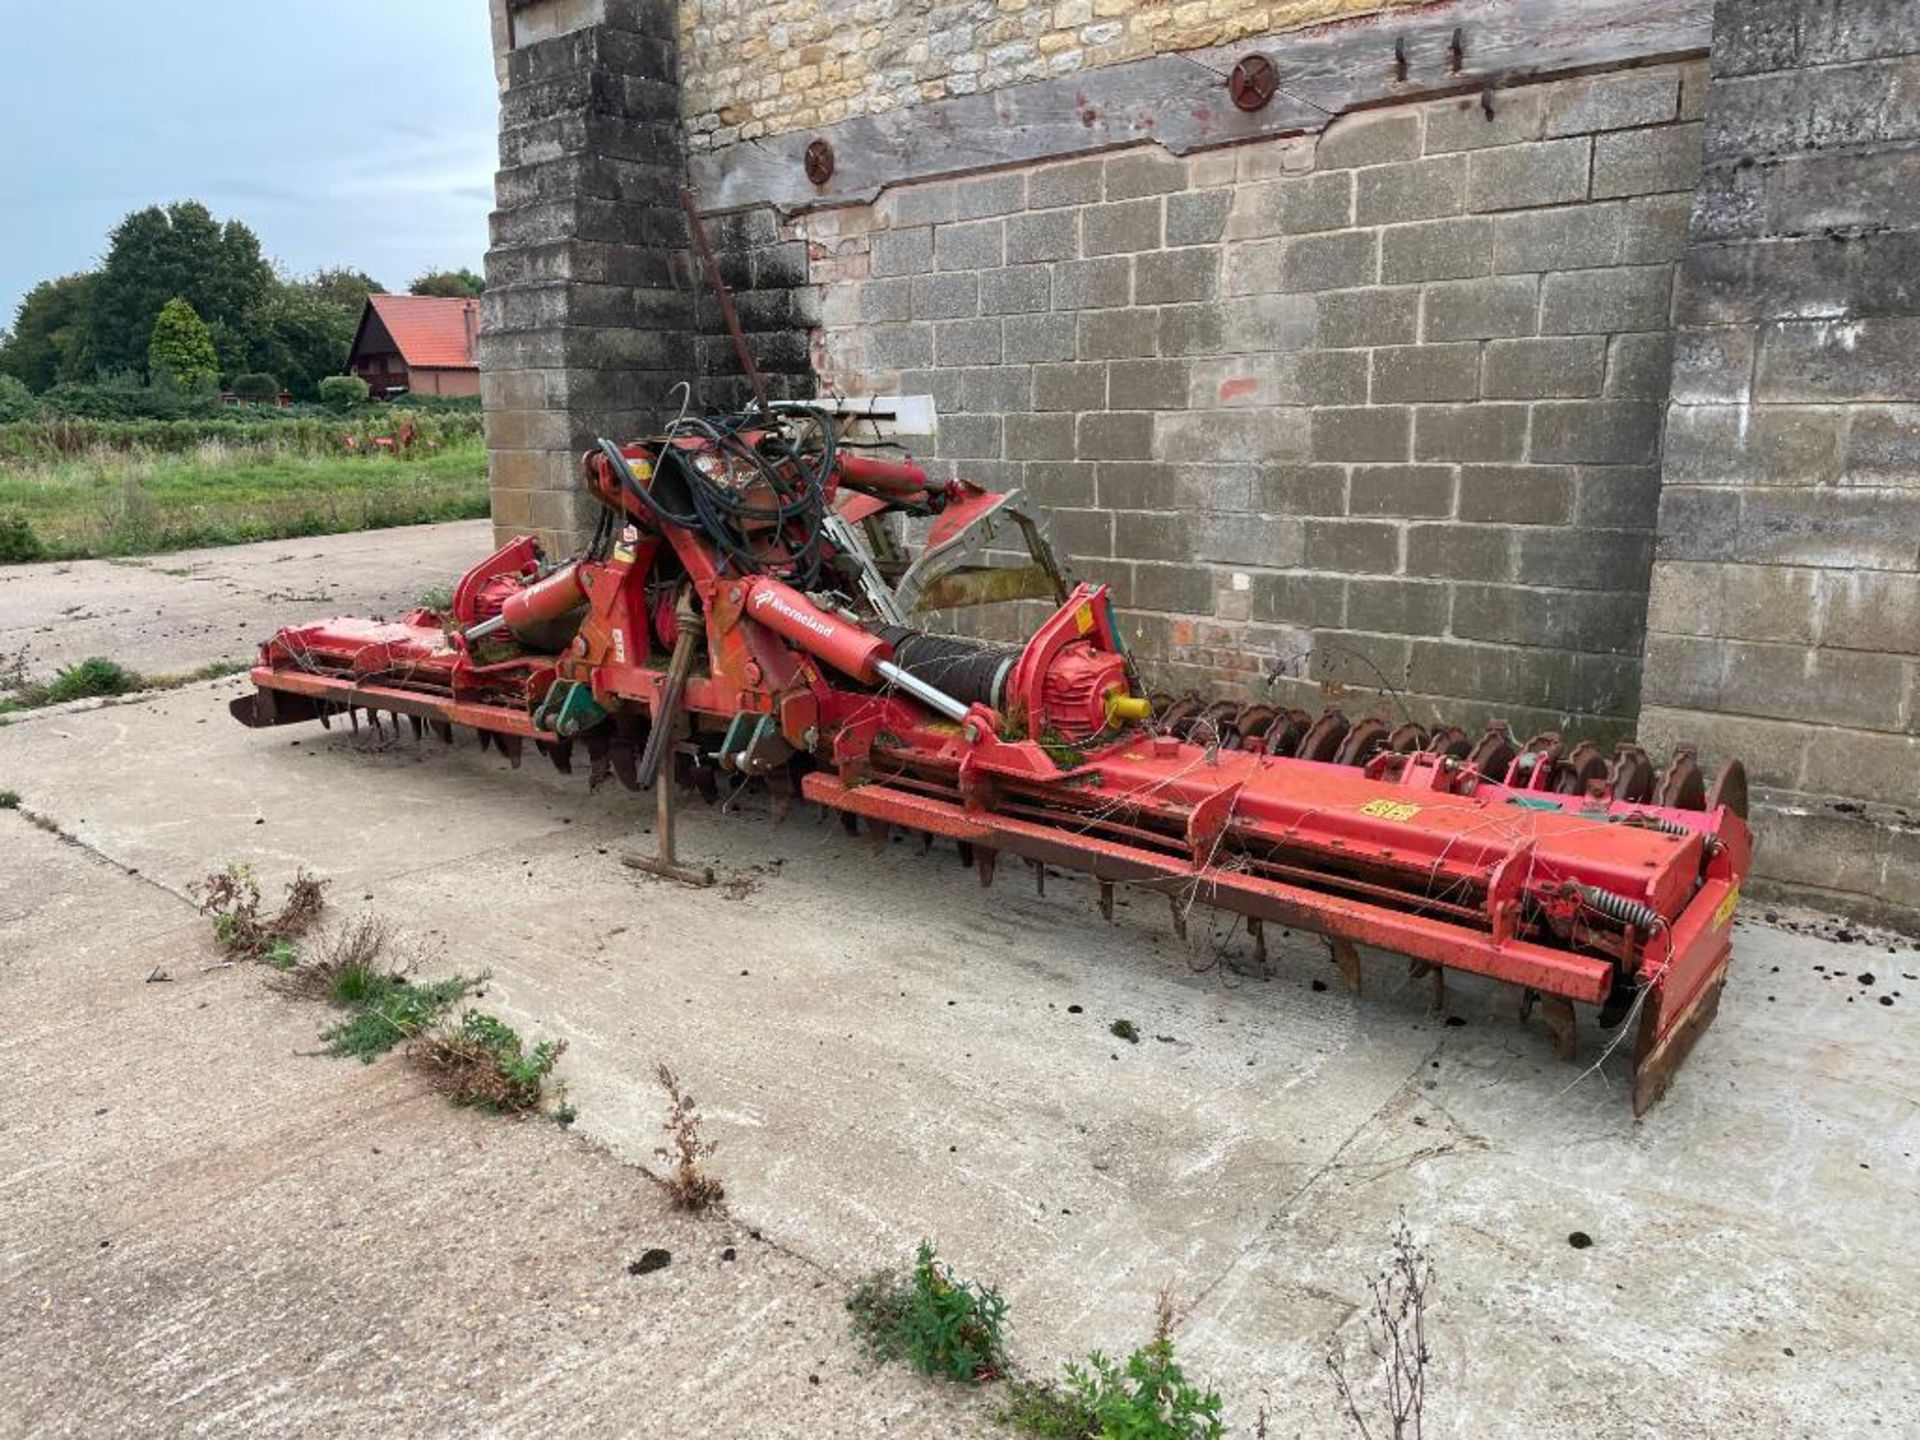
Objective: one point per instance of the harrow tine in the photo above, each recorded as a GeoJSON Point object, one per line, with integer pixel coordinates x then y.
{"type": "Point", "coordinates": [1257, 932]}
{"type": "Point", "coordinates": [878, 832]}
{"type": "Point", "coordinates": [599, 761]}
{"type": "Point", "coordinates": [443, 730]}
{"type": "Point", "coordinates": [850, 822]}
{"type": "Point", "coordinates": [325, 715]}
{"type": "Point", "coordinates": [1106, 900]}
{"type": "Point", "coordinates": [1436, 978]}
{"type": "Point", "coordinates": [510, 746]}
{"type": "Point", "coordinates": [984, 861]}
{"type": "Point", "coordinates": [560, 752]}
{"type": "Point", "coordinates": [1179, 916]}
{"type": "Point", "coordinates": [964, 848]}
{"type": "Point", "coordinates": [1347, 957]}
{"type": "Point", "coordinates": [418, 726]}
{"type": "Point", "coordinates": [484, 738]}
{"type": "Point", "coordinates": [926, 842]}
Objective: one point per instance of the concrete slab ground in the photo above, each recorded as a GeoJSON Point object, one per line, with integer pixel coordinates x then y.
{"type": "Point", "coordinates": [884, 1052]}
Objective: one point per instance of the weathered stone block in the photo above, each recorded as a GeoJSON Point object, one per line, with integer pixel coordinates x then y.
{"type": "Point", "coordinates": [1553, 172]}
{"type": "Point", "coordinates": [1613, 102]}
{"type": "Point", "coordinates": [986, 195]}
{"type": "Point", "coordinates": [970, 437]}
{"type": "Point", "coordinates": [1263, 323]}
{"type": "Point", "coordinates": [1300, 490]}
{"type": "Point", "coordinates": [1146, 384]}
{"type": "Point", "coordinates": [1060, 483]}
{"type": "Point", "coordinates": [1192, 329]}
{"type": "Point", "coordinates": [902, 252]}
{"type": "Point", "coordinates": [1117, 435]}
{"type": "Point", "coordinates": [1015, 290]}
{"type": "Point", "coordinates": [1640, 367]}
{"type": "Point", "coordinates": [1296, 206]}
{"type": "Point", "coordinates": [1147, 536]}
{"type": "Point", "coordinates": [1544, 369]}
{"type": "Point", "coordinates": [943, 297]}
{"type": "Point", "coordinates": [1363, 318]}
{"type": "Point", "coordinates": [1594, 620]}
{"type": "Point", "coordinates": [1113, 334]}
{"type": "Point", "coordinates": [1069, 387]}
{"type": "Point", "coordinates": [1144, 172]}
{"type": "Point", "coordinates": [1617, 497]}
{"type": "Point", "coordinates": [1602, 432]}
{"type": "Point", "coordinates": [1840, 528]}
{"type": "Point", "coordinates": [1398, 607]}
{"type": "Point", "coordinates": [1168, 277]}
{"type": "Point", "coordinates": [1460, 552]}
{"type": "Point", "coordinates": [1516, 494]}
{"type": "Point", "coordinates": [1598, 302]}
{"type": "Point", "coordinates": [1300, 599]}
{"type": "Point", "coordinates": [1375, 137]}
{"type": "Point", "coordinates": [967, 342]}
{"type": "Point", "coordinates": [1462, 124]}
{"type": "Point", "coordinates": [1128, 225]}
{"type": "Point", "coordinates": [1501, 305]}
{"type": "Point", "coordinates": [1260, 541]}
{"type": "Point", "coordinates": [1077, 182]}
{"type": "Point", "coordinates": [1407, 373]}
{"type": "Point", "coordinates": [1199, 218]}
{"type": "Point", "coordinates": [1084, 534]}
{"type": "Point", "coordinates": [1368, 432]}
{"type": "Point", "coordinates": [1436, 250]}
{"type": "Point", "coordinates": [1365, 547]}
{"type": "Point", "coordinates": [1043, 235]}
{"type": "Point", "coordinates": [1644, 162]}
{"type": "Point", "coordinates": [1480, 432]}
{"type": "Point", "coordinates": [1329, 262]}
{"type": "Point", "coordinates": [1572, 238]}
{"type": "Point", "coordinates": [1883, 447]}
{"type": "Point", "coordinates": [1092, 284]}
{"type": "Point", "coordinates": [1414, 190]}
{"type": "Point", "coordinates": [1839, 360]}
{"type": "Point", "coordinates": [1583, 559]}
{"type": "Point", "coordinates": [1039, 437]}
{"type": "Point", "coordinates": [1408, 491]}
{"type": "Point", "coordinates": [1029, 338]}
{"type": "Point", "coordinates": [975, 245]}
{"type": "Point", "coordinates": [995, 389]}
{"type": "Point", "coordinates": [1230, 436]}
{"type": "Point", "coordinates": [1182, 589]}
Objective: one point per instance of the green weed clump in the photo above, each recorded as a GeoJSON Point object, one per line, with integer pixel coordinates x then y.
{"type": "Point", "coordinates": [232, 897]}
{"type": "Point", "coordinates": [386, 1009]}
{"type": "Point", "coordinates": [1146, 1397]}
{"type": "Point", "coordinates": [19, 543]}
{"type": "Point", "coordinates": [940, 1325]}
{"type": "Point", "coordinates": [482, 1062]}
{"type": "Point", "coordinates": [9, 799]}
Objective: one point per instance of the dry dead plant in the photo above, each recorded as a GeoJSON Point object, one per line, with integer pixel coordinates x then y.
{"type": "Point", "coordinates": [349, 960]}
{"type": "Point", "coordinates": [691, 1186]}
{"type": "Point", "coordinates": [1395, 1336]}
{"type": "Point", "coordinates": [480, 1061]}
{"type": "Point", "coordinates": [232, 897]}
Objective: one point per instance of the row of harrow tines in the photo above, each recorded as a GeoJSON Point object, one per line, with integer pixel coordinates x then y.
{"type": "Point", "coordinates": [1546, 763]}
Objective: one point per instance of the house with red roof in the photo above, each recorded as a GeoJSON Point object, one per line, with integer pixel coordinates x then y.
{"type": "Point", "coordinates": [418, 344]}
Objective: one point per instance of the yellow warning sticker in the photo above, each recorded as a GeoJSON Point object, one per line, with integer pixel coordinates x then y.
{"type": "Point", "coordinates": [1083, 617]}
{"type": "Point", "coordinates": [1724, 912]}
{"type": "Point", "coordinates": [1389, 810]}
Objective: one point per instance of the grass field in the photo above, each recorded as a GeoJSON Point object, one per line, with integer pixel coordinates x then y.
{"type": "Point", "coordinates": [108, 502]}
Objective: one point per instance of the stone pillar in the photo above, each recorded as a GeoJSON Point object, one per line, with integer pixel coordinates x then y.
{"type": "Point", "coordinates": [1784, 622]}
{"type": "Point", "coordinates": [589, 313]}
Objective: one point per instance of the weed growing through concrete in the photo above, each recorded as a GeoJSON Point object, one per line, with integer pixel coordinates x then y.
{"type": "Point", "coordinates": [356, 968]}
{"type": "Point", "coordinates": [940, 1325]}
{"type": "Point", "coordinates": [692, 1186]}
{"type": "Point", "coordinates": [232, 897]}
{"type": "Point", "coordinates": [481, 1061]}
{"type": "Point", "coordinates": [1146, 1397]}
{"type": "Point", "coordinates": [97, 678]}
{"type": "Point", "coordinates": [1125, 1030]}
{"type": "Point", "coordinates": [9, 799]}
{"type": "Point", "coordinates": [1389, 1405]}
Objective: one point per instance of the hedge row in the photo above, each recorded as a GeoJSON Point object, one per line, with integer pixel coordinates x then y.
{"type": "Point", "coordinates": [306, 435]}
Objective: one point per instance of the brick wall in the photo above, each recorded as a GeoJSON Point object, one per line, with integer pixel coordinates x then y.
{"type": "Point", "coordinates": [1380, 411]}
{"type": "Point", "coordinates": [763, 67]}
{"type": "Point", "coordinates": [1785, 615]}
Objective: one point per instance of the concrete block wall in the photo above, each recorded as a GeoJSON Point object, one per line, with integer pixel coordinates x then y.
{"type": "Point", "coordinates": [1784, 623]}
{"type": "Point", "coordinates": [589, 315]}
{"type": "Point", "coordinates": [1379, 411]}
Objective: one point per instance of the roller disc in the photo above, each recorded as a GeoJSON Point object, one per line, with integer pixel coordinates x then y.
{"type": "Point", "coordinates": [1492, 753]}
{"type": "Point", "coordinates": [1630, 777]}
{"type": "Point", "coordinates": [1407, 739]}
{"type": "Point", "coordinates": [1537, 763]}
{"type": "Point", "coordinates": [1253, 724]}
{"type": "Point", "coordinates": [1730, 789]}
{"type": "Point", "coordinates": [1451, 741]}
{"type": "Point", "coordinates": [1178, 717]}
{"type": "Point", "coordinates": [1322, 739]}
{"type": "Point", "coordinates": [1583, 767]}
{"type": "Point", "coordinates": [1682, 787]}
{"type": "Point", "coordinates": [1286, 732]}
{"type": "Point", "coordinates": [1367, 738]}
{"type": "Point", "coordinates": [1219, 723]}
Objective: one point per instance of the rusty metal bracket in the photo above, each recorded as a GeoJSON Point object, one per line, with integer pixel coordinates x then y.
{"type": "Point", "coordinates": [723, 295]}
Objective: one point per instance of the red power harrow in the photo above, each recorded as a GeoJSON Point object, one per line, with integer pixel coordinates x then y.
{"type": "Point", "coordinates": [751, 605]}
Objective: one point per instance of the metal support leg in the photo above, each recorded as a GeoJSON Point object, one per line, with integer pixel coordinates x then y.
{"type": "Point", "coordinates": [665, 862]}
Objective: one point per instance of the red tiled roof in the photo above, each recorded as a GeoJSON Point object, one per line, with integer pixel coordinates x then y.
{"type": "Point", "coordinates": [431, 333]}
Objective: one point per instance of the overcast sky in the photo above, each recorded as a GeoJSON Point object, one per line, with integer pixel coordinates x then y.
{"type": "Point", "coordinates": [345, 132]}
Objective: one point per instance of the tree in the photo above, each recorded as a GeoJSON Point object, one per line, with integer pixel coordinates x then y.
{"type": "Point", "coordinates": [49, 340]}
{"type": "Point", "coordinates": [181, 348]}
{"type": "Point", "coordinates": [255, 387]}
{"type": "Point", "coordinates": [344, 287]}
{"type": "Point", "coordinates": [176, 252]}
{"type": "Point", "coordinates": [303, 331]}
{"type": "Point", "coordinates": [343, 392]}
{"type": "Point", "coordinates": [460, 284]}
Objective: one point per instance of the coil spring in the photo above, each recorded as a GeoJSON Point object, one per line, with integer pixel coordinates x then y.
{"type": "Point", "coordinates": [1619, 907]}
